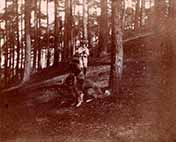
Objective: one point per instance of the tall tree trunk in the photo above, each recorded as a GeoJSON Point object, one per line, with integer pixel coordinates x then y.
{"type": "Point", "coordinates": [117, 48]}
{"type": "Point", "coordinates": [36, 36]}
{"type": "Point", "coordinates": [172, 8]}
{"type": "Point", "coordinates": [67, 52]}
{"type": "Point", "coordinates": [103, 38]}
{"type": "Point", "coordinates": [39, 45]}
{"type": "Point", "coordinates": [159, 13]}
{"type": "Point", "coordinates": [48, 46]}
{"type": "Point", "coordinates": [89, 25]}
{"type": "Point", "coordinates": [142, 12]}
{"type": "Point", "coordinates": [137, 15]}
{"type": "Point", "coordinates": [22, 38]}
{"type": "Point", "coordinates": [27, 68]}
{"type": "Point", "coordinates": [151, 1]}
{"type": "Point", "coordinates": [10, 48]}
{"type": "Point", "coordinates": [85, 33]}
{"type": "Point", "coordinates": [123, 14]}
{"type": "Point", "coordinates": [56, 52]}
{"type": "Point", "coordinates": [13, 49]}
{"type": "Point", "coordinates": [13, 39]}
{"type": "Point", "coordinates": [6, 46]}
{"type": "Point", "coordinates": [17, 38]}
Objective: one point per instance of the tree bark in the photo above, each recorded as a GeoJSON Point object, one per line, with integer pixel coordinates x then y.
{"type": "Point", "coordinates": [159, 17]}
{"type": "Point", "coordinates": [13, 41]}
{"type": "Point", "coordinates": [85, 32]}
{"type": "Point", "coordinates": [27, 68]}
{"type": "Point", "coordinates": [6, 46]}
{"type": "Point", "coordinates": [56, 52]}
{"type": "Point", "coordinates": [172, 8]}
{"type": "Point", "coordinates": [35, 37]}
{"type": "Point", "coordinates": [48, 46]}
{"type": "Point", "coordinates": [117, 48]}
{"type": "Point", "coordinates": [39, 35]}
{"type": "Point", "coordinates": [17, 38]}
{"type": "Point", "coordinates": [103, 38]}
{"type": "Point", "coordinates": [142, 12]}
{"type": "Point", "coordinates": [123, 14]}
{"type": "Point", "coordinates": [67, 52]}
{"type": "Point", "coordinates": [22, 39]}
{"type": "Point", "coordinates": [88, 27]}
{"type": "Point", "coordinates": [137, 10]}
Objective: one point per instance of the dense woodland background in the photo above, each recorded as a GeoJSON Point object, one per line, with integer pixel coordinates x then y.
{"type": "Point", "coordinates": [132, 49]}
{"type": "Point", "coordinates": [34, 37]}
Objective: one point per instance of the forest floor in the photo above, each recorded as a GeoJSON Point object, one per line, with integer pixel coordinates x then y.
{"type": "Point", "coordinates": [144, 111]}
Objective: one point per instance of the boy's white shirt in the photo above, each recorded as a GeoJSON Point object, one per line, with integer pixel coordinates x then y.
{"type": "Point", "coordinates": [82, 49]}
{"type": "Point", "coordinates": [83, 60]}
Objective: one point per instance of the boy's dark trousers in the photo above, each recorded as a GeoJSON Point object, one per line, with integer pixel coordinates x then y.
{"type": "Point", "coordinates": [84, 71]}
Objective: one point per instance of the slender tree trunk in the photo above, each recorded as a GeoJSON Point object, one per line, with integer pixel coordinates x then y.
{"type": "Point", "coordinates": [88, 27]}
{"type": "Point", "coordinates": [103, 38]}
{"type": "Point", "coordinates": [27, 68]}
{"type": "Point", "coordinates": [123, 14]}
{"type": "Point", "coordinates": [48, 46]}
{"type": "Point", "coordinates": [56, 52]}
{"type": "Point", "coordinates": [36, 36]}
{"type": "Point", "coordinates": [22, 40]}
{"type": "Point", "coordinates": [142, 12]}
{"type": "Point", "coordinates": [117, 48]}
{"type": "Point", "coordinates": [13, 50]}
{"type": "Point", "coordinates": [10, 49]}
{"type": "Point", "coordinates": [17, 38]}
{"type": "Point", "coordinates": [137, 15]}
{"type": "Point", "coordinates": [151, 3]}
{"type": "Point", "coordinates": [6, 46]}
{"type": "Point", "coordinates": [39, 45]}
{"type": "Point", "coordinates": [74, 29]}
{"type": "Point", "coordinates": [159, 11]}
{"type": "Point", "coordinates": [13, 40]}
{"type": "Point", "coordinates": [67, 52]}
{"type": "Point", "coordinates": [85, 33]}
{"type": "Point", "coordinates": [172, 8]}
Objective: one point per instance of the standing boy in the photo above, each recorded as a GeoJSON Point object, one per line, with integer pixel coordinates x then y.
{"type": "Point", "coordinates": [83, 53]}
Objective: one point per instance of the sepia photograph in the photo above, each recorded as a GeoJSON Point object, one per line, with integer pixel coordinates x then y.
{"type": "Point", "coordinates": [87, 70]}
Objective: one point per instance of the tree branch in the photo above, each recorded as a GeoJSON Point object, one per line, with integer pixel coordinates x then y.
{"type": "Point", "coordinates": [138, 36]}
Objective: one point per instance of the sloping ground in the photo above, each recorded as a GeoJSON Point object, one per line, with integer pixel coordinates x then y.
{"type": "Point", "coordinates": [111, 119]}
{"type": "Point", "coordinates": [139, 113]}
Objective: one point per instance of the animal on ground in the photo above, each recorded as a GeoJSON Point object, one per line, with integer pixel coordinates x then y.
{"type": "Point", "coordinates": [87, 88]}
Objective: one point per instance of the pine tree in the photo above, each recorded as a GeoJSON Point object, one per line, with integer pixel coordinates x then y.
{"type": "Point", "coordinates": [137, 10]}
{"type": "Point", "coordinates": [172, 8]}
{"type": "Point", "coordinates": [27, 68]}
{"type": "Point", "coordinates": [67, 52]}
{"type": "Point", "coordinates": [56, 52]}
{"type": "Point", "coordinates": [48, 46]}
{"type": "Point", "coordinates": [17, 38]}
{"type": "Point", "coordinates": [39, 35]}
{"type": "Point", "coordinates": [103, 44]}
{"type": "Point", "coordinates": [85, 20]}
{"type": "Point", "coordinates": [117, 48]}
